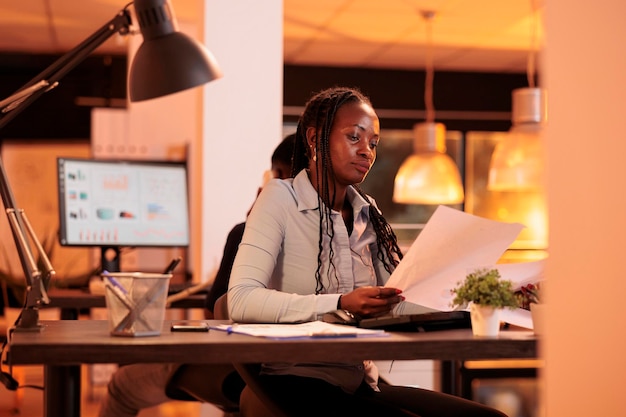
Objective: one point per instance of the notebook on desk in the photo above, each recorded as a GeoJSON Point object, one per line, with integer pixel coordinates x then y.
{"type": "Point", "coordinates": [423, 322]}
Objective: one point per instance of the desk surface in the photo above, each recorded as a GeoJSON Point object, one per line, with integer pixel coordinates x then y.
{"type": "Point", "coordinates": [64, 344]}
{"type": "Point", "coordinates": [88, 341]}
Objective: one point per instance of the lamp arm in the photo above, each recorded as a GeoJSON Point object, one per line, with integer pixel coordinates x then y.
{"type": "Point", "coordinates": [14, 100]}
{"type": "Point", "coordinates": [53, 74]}
{"type": "Point", "coordinates": [37, 282]}
{"type": "Point", "coordinates": [20, 227]}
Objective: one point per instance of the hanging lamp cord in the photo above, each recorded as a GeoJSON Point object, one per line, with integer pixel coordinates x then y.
{"type": "Point", "coordinates": [534, 47]}
{"type": "Point", "coordinates": [430, 73]}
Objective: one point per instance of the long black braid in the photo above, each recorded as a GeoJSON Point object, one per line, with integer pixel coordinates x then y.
{"type": "Point", "coordinates": [319, 113]}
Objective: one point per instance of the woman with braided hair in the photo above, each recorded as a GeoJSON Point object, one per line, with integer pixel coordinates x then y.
{"type": "Point", "coordinates": [315, 243]}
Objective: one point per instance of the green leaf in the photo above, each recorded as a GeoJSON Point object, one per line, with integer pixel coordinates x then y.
{"type": "Point", "coordinates": [485, 287]}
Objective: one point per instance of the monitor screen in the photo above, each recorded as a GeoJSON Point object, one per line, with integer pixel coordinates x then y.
{"type": "Point", "coordinates": [122, 203]}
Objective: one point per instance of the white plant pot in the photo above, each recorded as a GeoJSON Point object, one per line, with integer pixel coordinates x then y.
{"type": "Point", "coordinates": [537, 313]}
{"type": "Point", "coordinates": [485, 320]}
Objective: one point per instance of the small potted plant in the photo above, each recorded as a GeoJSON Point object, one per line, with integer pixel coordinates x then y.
{"type": "Point", "coordinates": [486, 293]}
{"type": "Point", "coordinates": [529, 298]}
{"type": "Point", "coordinates": [528, 295]}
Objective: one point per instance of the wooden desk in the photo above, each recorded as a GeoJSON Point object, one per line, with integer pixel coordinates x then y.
{"type": "Point", "coordinates": [63, 344]}
{"type": "Point", "coordinates": [71, 301]}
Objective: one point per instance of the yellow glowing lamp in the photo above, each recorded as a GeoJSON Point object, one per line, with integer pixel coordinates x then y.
{"type": "Point", "coordinates": [429, 175]}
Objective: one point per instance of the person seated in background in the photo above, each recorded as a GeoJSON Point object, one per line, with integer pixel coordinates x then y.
{"type": "Point", "coordinates": [315, 243]}
{"type": "Point", "coordinates": [281, 169]}
{"type": "Point", "coordinates": [137, 386]}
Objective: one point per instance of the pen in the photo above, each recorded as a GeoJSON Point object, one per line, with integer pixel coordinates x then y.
{"type": "Point", "coordinates": [128, 303]}
{"type": "Point", "coordinates": [323, 334]}
{"type": "Point", "coordinates": [229, 329]}
{"type": "Point", "coordinates": [115, 282]}
{"type": "Point", "coordinates": [170, 268]}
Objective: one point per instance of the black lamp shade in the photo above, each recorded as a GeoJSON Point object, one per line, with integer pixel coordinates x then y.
{"type": "Point", "coordinates": [167, 61]}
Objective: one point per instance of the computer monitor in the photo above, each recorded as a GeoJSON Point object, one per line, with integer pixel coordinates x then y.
{"type": "Point", "coordinates": [113, 204]}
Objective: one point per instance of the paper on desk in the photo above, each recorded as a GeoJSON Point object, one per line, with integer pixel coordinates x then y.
{"type": "Point", "coordinates": [452, 244]}
{"type": "Point", "coordinates": [518, 317]}
{"type": "Point", "coordinates": [521, 274]}
{"type": "Point", "coordinates": [313, 329]}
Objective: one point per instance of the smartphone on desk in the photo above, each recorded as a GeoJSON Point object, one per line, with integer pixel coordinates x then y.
{"type": "Point", "coordinates": [189, 326]}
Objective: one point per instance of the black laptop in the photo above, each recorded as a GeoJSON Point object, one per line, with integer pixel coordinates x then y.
{"type": "Point", "coordinates": [423, 322]}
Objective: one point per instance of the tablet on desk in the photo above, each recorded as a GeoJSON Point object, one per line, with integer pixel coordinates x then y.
{"type": "Point", "coordinates": [423, 322]}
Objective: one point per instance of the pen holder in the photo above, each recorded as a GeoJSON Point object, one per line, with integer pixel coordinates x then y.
{"type": "Point", "coordinates": [136, 302]}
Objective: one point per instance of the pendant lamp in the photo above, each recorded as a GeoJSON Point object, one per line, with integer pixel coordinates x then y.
{"type": "Point", "coordinates": [429, 175]}
{"type": "Point", "coordinates": [518, 161]}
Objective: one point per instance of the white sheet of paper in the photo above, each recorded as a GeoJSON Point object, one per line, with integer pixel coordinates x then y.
{"type": "Point", "coordinates": [521, 274]}
{"type": "Point", "coordinates": [452, 244]}
{"type": "Point", "coordinates": [518, 317]}
{"type": "Point", "coordinates": [313, 329]}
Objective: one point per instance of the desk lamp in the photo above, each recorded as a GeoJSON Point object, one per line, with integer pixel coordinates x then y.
{"type": "Point", "coordinates": [167, 62]}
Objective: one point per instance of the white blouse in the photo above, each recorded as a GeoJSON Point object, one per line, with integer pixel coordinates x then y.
{"type": "Point", "coordinates": [273, 276]}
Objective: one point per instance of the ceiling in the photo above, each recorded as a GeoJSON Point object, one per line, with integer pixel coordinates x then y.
{"type": "Point", "coordinates": [476, 35]}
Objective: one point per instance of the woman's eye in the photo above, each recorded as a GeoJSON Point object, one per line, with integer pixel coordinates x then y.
{"type": "Point", "coordinates": [373, 145]}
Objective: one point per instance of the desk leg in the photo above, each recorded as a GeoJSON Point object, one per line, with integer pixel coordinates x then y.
{"type": "Point", "coordinates": [62, 391]}
{"type": "Point", "coordinates": [69, 313]}
{"type": "Point", "coordinates": [450, 377]}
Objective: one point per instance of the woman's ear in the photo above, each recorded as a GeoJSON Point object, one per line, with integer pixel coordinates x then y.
{"type": "Point", "coordinates": [311, 136]}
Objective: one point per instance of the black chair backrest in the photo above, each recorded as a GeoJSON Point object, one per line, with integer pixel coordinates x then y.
{"type": "Point", "coordinates": [249, 371]}
{"type": "Point", "coordinates": [218, 384]}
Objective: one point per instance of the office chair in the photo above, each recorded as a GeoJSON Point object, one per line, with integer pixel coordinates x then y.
{"type": "Point", "coordinates": [254, 401]}
{"type": "Point", "coordinates": [218, 384]}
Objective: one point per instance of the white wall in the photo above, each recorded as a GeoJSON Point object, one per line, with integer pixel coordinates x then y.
{"type": "Point", "coordinates": [585, 73]}
{"type": "Point", "coordinates": [242, 116]}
